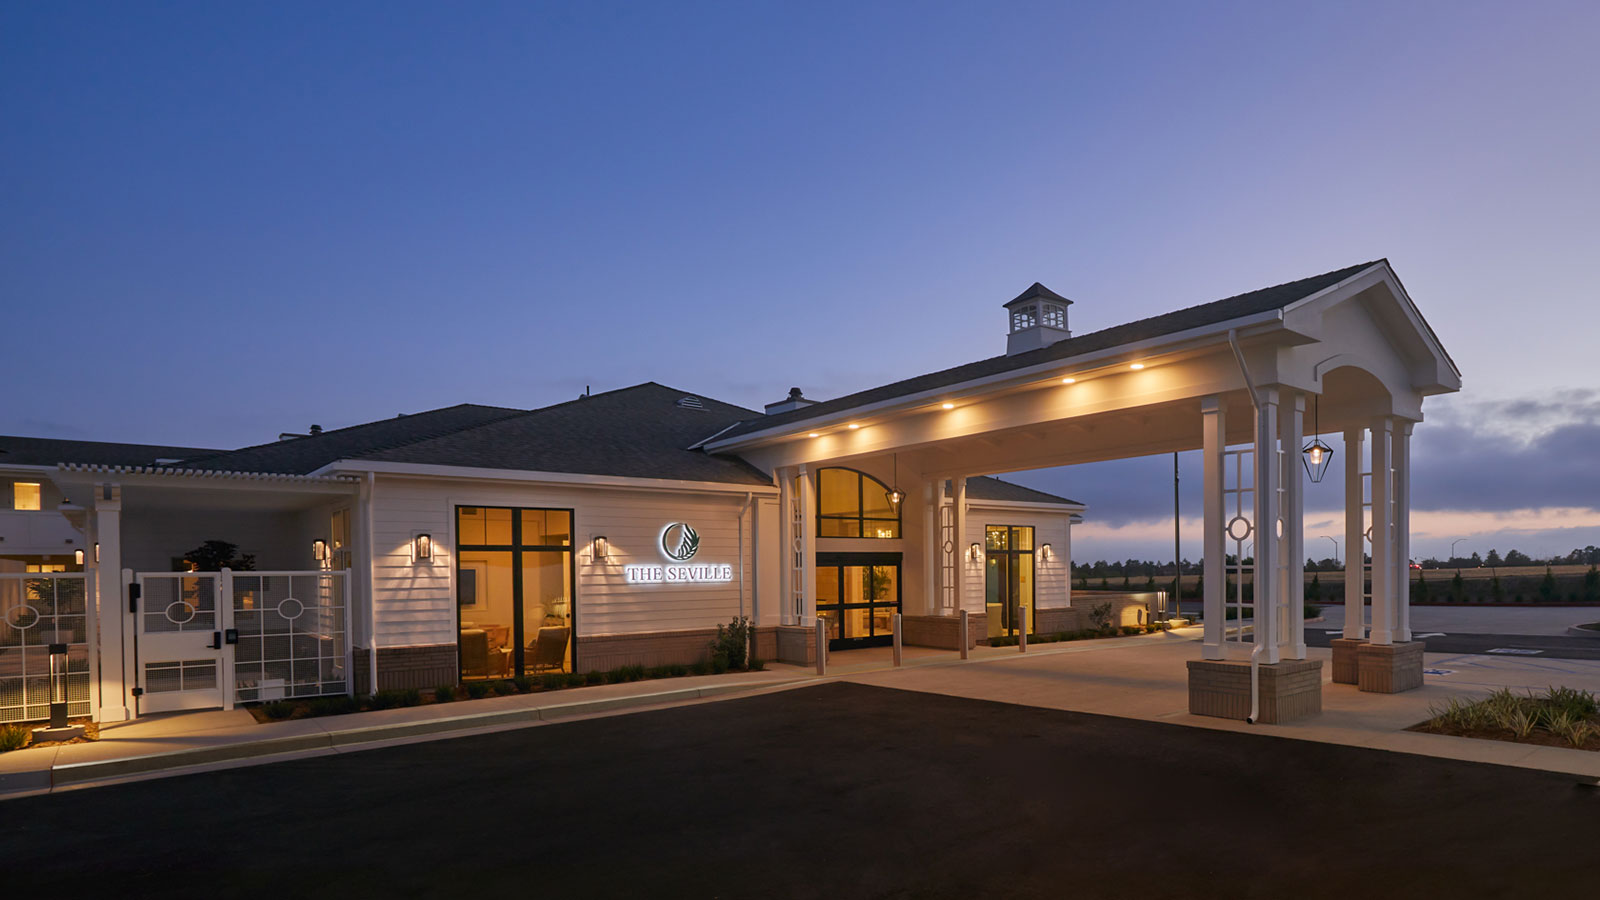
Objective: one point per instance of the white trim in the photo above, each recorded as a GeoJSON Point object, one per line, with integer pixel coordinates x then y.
{"type": "Point", "coordinates": [1020, 377]}
{"type": "Point", "coordinates": [204, 474]}
{"type": "Point", "coordinates": [1066, 509]}
{"type": "Point", "coordinates": [476, 473]}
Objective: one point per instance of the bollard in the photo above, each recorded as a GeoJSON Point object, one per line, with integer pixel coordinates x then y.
{"type": "Point", "coordinates": [897, 640]}
{"type": "Point", "coordinates": [962, 637]}
{"type": "Point", "coordinates": [1022, 634]}
{"type": "Point", "coordinates": [822, 646]}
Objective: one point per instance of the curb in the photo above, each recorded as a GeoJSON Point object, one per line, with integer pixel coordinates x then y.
{"type": "Point", "coordinates": [100, 770]}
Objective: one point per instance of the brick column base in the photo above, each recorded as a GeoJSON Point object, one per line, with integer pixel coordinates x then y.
{"type": "Point", "coordinates": [1289, 690]}
{"type": "Point", "coordinates": [1390, 668]}
{"type": "Point", "coordinates": [797, 644]}
{"type": "Point", "coordinates": [1345, 652]}
{"type": "Point", "coordinates": [942, 632]}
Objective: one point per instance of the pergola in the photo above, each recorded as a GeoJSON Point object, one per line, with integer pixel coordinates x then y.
{"type": "Point", "coordinates": [1233, 379]}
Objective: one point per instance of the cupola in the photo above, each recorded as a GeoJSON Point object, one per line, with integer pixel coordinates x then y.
{"type": "Point", "coordinates": [1038, 319]}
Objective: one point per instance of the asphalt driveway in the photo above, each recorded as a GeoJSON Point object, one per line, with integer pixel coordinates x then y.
{"type": "Point", "coordinates": [837, 790]}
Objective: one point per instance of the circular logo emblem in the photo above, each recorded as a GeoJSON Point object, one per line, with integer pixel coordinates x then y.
{"type": "Point", "coordinates": [679, 542]}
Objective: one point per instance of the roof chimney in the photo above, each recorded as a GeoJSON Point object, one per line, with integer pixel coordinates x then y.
{"type": "Point", "coordinates": [1038, 318]}
{"type": "Point", "coordinates": [794, 401]}
{"type": "Point", "coordinates": [316, 430]}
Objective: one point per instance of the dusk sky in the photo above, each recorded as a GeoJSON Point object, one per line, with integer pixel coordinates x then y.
{"type": "Point", "coordinates": [220, 221]}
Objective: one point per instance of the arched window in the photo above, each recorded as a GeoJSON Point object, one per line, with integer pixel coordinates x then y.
{"type": "Point", "coordinates": [853, 505]}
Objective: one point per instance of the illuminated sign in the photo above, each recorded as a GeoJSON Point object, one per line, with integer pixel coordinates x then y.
{"type": "Point", "coordinates": [679, 543]}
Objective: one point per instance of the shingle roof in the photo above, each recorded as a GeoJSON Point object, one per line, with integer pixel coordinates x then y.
{"type": "Point", "coordinates": [32, 451]}
{"type": "Point", "coordinates": [299, 456]}
{"type": "Point", "coordinates": [986, 487]}
{"type": "Point", "coordinates": [640, 431]}
{"type": "Point", "coordinates": [1235, 307]}
{"type": "Point", "coordinates": [1037, 290]}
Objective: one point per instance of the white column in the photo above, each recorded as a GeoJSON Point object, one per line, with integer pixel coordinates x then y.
{"type": "Point", "coordinates": [786, 543]}
{"type": "Point", "coordinates": [1382, 530]}
{"type": "Point", "coordinates": [808, 544]}
{"type": "Point", "coordinates": [1291, 434]}
{"type": "Point", "coordinates": [1402, 528]}
{"type": "Point", "coordinates": [930, 547]}
{"type": "Point", "coordinates": [1268, 519]}
{"type": "Point", "coordinates": [113, 624]}
{"type": "Point", "coordinates": [959, 518]}
{"type": "Point", "coordinates": [1214, 440]}
{"type": "Point", "coordinates": [1354, 543]}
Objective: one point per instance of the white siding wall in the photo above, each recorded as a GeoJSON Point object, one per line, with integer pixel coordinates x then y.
{"type": "Point", "coordinates": [1052, 574]}
{"type": "Point", "coordinates": [415, 603]}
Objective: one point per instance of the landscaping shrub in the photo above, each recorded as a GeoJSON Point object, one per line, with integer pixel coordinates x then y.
{"type": "Point", "coordinates": [757, 664]}
{"type": "Point", "coordinates": [332, 706]}
{"type": "Point", "coordinates": [553, 681]}
{"type": "Point", "coordinates": [1132, 629]}
{"type": "Point", "coordinates": [13, 737]}
{"type": "Point", "coordinates": [732, 643]}
{"type": "Point", "coordinates": [523, 682]}
{"type": "Point", "coordinates": [1547, 586]}
{"type": "Point", "coordinates": [1312, 610]}
{"type": "Point", "coordinates": [576, 679]}
{"type": "Point", "coordinates": [444, 693]}
{"type": "Point", "coordinates": [700, 667]}
{"type": "Point", "coordinates": [393, 699]}
{"type": "Point", "coordinates": [1100, 615]}
{"type": "Point", "coordinates": [477, 690]}
{"type": "Point", "coordinates": [278, 709]}
{"type": "Point", "coordinates": [504, 688]}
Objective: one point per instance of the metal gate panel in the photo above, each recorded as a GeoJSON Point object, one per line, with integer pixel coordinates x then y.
{"type": "Point", "coordinates": [37, 610]}
{"type": "Point", "coordinates": [292, 634]}
{"type": "Point", "coordinates": [181, 663]}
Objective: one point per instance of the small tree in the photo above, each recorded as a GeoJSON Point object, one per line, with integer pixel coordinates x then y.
{"type": "Point", "coordinates": [1496, 592]}
{"type": "Point", "coordinates": [1100, 615]}
{"type": "Point", "coordinates": [213, 556]}
{"type": "Point", "coordinates": [1458, 588]}
{"type": "Point", "coordinates": [1547, 586]}
{"type": "Point", "coordinates": [1591, 585]}
{"type": "Point", "coordinates": [1419, 589]}
{"type": "Point", "coordinates": [1314, 590]}
{"type": "Point", "coordinates": [732, 643]}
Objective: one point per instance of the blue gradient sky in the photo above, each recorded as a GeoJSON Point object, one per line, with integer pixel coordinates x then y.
{"type": "Point", "coordinates": [223, 221]}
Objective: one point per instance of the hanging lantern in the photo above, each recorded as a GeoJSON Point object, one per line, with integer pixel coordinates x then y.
{"type": "Point", "coordinates": [1317, 455]}
{"type": "Point", "coordinates": [894, 495]}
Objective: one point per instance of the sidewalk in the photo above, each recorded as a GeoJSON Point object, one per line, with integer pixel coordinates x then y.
{"type": "Point", "coordinates": [177, 742]}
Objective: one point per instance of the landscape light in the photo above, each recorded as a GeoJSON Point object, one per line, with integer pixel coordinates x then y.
{"type": "Point", "coordinates": [58, 685]}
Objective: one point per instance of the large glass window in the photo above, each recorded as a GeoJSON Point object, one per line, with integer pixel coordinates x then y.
{"type": "Point", "coordinates": [514, 591]}
{"type": "Point", "coordinates": [853, 505]}
{"type": "Point", "coordinates": [1008, 578]}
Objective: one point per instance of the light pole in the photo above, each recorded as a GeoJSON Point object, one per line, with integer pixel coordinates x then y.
{"type": "Point", "coordinates": [1453, 553]}
{"type": "Point", "coordinates": [1335, 547]}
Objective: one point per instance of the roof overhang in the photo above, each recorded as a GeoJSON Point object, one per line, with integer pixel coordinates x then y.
{"type": "Point", "coordinates": [565, 479]}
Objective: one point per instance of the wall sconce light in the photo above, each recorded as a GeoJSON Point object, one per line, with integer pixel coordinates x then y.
{"type": "Point", "coordinates": [602, 548]}
{"type": "Point", "coordinates": [319, 550]}
{"type": "Point", "coordinates": [974, 552]}
{"type": "Point", "coordinates": [1044, 550]}
{"type": "Point", "coordinates": [97, 552]}
{"type": "Point", "coordinates": [423, 547]}
{"type": "Point", "coordinates": [77, 556]}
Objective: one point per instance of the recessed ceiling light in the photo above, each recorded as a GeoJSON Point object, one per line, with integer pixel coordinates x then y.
{"type": "Point", "coordinates": [1069, 381]}
{"type": "Point", "coordinates": [854, 426]}
{"type": "Point", "coordinates": [948, 405]}
{"type": "Point", "coordinates": [813, 434]}
{"type": "Point", "coordinates": [1136, 366]}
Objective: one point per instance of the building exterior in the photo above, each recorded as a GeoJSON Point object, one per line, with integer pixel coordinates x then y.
{"type": "Point", "coordinates": [477, 542]}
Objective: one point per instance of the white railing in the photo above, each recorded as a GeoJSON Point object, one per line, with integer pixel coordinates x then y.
{"type": "Point", "coordinates": [37, 610]}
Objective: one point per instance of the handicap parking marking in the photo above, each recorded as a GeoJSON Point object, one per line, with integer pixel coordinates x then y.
{"type": "Point", "coordinates": [1515, 651]}
{"type": "Point", "coordinates": [1438, 671]}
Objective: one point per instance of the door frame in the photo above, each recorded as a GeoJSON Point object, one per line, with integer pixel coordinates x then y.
{"type": "Point", "coordinates": [841, 561]}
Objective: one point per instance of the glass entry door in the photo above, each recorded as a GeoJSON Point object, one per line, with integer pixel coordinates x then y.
{"type": "Point", "coordinates": [857, 596]}
{"type": "Point", "coordinates": [1008, 578]}
{"type": "Point", "coordinates": [514, 591]}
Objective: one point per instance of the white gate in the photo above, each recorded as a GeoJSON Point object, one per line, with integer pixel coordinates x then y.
{"type": "Point", "coordinates": [179, 629]}
{"type": "Point", "coordinates": [292, 635]}
{"type": "Point", "coordinates": [37, 610]}
{"type": "Point", "coordinates": [209, 639]}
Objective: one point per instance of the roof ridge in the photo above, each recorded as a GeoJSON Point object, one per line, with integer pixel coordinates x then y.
{"type": "Point", "coordinates": [349, 428]}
